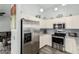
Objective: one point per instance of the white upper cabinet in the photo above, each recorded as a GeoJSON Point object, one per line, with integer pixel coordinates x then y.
{"type": "Point", "coordinates": [74, 22]}
{"type": "Point", "coordinates": [49, 24]}
{"type": "Point", "coordinates": [71, 22]}
{"type": "Point", "coordinates": [46, 24]}
{"type": "Point", "coordinates": [42, 24]}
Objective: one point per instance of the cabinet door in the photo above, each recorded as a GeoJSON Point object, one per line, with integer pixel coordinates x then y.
{"type": "Point", "coordinates": [49, 24]}
{"type": "Point", "coordinates": [46, 24]}
{"type": "Point", "coordinates": [67, 23]}
{"type": "Point", "coordinates": [45, 40]}
{"type": "Point", "coordinates": [42, 24]}
{"type": "Point", "coordinates": [72, 22]}
{"type": "Point", "coordinates": [70, 45]}
{"type": "Point", "coordinates": [75, 22]}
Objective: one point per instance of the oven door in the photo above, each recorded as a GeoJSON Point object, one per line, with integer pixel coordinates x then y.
{"type": "Point", "coordinates": [58, 40]}
{"type": "Point", "coordinates": [58, 43]}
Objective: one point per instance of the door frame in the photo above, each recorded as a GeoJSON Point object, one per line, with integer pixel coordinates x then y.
{"type": "Point", "coordinates": [21, 35]}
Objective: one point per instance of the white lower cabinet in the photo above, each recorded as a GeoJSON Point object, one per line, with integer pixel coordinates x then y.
{"type": "Point", "coordinates": [70, 45]}
{"type": "Point", "coordinates": [45, 40]}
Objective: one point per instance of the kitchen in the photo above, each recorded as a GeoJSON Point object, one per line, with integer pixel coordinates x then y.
{"type": "Point", "coordinates": [43, 29]}
{"type": "Point", "coordinates": [56, 22]}
{"type": "Point", "coordinates": [70, 31]}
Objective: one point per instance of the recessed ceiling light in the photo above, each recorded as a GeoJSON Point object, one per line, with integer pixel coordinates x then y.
{"type": "Point", "coordinates": [41, 10]}
{"type": "Point", "coordinates": [63, 4]}
{"type": "Point", "coordinates": [55, 9]}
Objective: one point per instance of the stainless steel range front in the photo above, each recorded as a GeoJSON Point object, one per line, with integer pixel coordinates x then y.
{"type": "Point", "coordinates": [30, 37]}
{"type": "Point", "coordinates": [58, 40]}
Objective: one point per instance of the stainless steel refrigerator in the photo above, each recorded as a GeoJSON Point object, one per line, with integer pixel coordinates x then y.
{"type": "Point", "coordinates": [29, 37]}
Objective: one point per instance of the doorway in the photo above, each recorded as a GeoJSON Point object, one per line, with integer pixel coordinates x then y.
{"type": "Point", "coordinates": [5, 29]}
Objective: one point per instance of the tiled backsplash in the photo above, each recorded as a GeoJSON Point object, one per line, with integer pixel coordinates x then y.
{"type": "Point", "coordinates": [51, 31]}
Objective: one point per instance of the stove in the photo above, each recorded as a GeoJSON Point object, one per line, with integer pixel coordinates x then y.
{"type": "Point", "coordinates": [58, 40]}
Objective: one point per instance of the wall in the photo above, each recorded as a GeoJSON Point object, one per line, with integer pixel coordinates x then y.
{"type": "Point", "coordinates": [5, 19]}
{"type": "Point", "coordinates": [51, 31]}
{"type": "Point", "coordinates": [4, 24]}
{"type": "Point", "coordinates": [16, 36]}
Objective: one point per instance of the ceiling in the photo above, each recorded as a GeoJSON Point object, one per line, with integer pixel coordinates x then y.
{"type": "Point", "coordinates": [60, 6]}
{"type": "Point", "coordinates": [48, 6]}
{"type": "Point", "coordinates": [66, 10]}
{"type": "Point", "coordinates": [49, 9]}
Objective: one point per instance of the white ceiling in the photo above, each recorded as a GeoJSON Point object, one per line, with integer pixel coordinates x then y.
{"type": "Point", "coordinates": [48, 8]}
{"type": "Point", "coordinates": [65, 10]}
{"type": "Point", "coordinates": [59, 6]}
{"type": "Point", "coordinates": [49, 12]}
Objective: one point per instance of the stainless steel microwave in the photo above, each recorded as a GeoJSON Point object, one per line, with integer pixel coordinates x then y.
{"type": "Point", "coordinates": [59, 26]}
